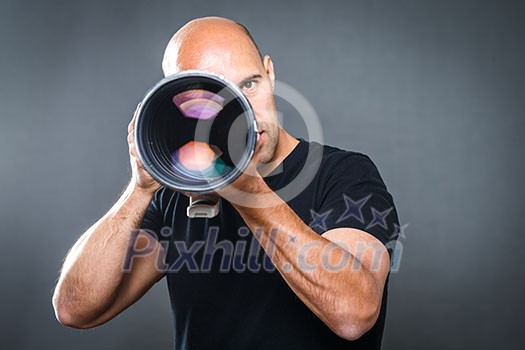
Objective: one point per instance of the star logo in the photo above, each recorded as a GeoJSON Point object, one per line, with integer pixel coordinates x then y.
{"type": "Point", "coordinates": [319, 220]}
{"type": "Point", "coordinates": [379, 218]}
{"type": "Point", "coordinates": [399, 231]}
{"type": "Point", "coordinates": [354, 208]}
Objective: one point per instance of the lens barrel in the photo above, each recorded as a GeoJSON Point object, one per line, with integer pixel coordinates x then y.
{"type": "Point", "coordinates": [195, 132]}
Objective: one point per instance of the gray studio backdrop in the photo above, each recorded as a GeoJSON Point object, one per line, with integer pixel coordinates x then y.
{"type": "Point", "coordinates": [431, 90]}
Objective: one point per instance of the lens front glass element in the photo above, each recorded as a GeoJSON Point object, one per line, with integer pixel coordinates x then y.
{"type": "Point", "coordinates": [198, 159]}
{"type": "Point", "coordinates": [195, 133]}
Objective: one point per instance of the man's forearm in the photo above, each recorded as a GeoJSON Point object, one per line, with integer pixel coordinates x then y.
{"type": "Point", "coordinates": [92, 271]}
{"type": "Point", "coordinates": [347, 298]}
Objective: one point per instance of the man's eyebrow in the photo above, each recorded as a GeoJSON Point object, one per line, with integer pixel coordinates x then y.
{"type": "Point", "coordinates": [252, 77]}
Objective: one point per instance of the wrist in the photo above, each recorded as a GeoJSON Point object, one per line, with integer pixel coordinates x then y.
{"type": "Point", "coordinates": [141, 189]}
{"type": "Point", "coordinates": [134, 199]}
{"type": "Point", "coordinates": [254, 198]}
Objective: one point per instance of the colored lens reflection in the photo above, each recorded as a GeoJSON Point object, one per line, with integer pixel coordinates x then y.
{"type": "Point", "coordinates": [198, 160]}
{"type": "Point", "coordinates": [199, 104]}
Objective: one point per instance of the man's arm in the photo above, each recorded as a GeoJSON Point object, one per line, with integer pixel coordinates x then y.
{"type": "Point", "coordinates": [339, 275]}
{"type": "Point", "coordinates": [93, 287]}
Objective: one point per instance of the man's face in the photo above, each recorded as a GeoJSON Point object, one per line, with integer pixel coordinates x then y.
{"type": "Point", "coordinates": [231, 54]}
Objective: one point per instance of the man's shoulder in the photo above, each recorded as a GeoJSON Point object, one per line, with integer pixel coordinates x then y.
{"type": "Point", "coordinates": [332, 153]}
{"type": "Point", "coordinates": [347, 162]}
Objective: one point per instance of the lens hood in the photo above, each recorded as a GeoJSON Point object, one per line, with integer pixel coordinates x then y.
{"type": "Point", "coordinates": [195, 132]}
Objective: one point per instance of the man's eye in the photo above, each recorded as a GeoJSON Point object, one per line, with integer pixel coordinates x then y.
{"type": "Point", "coordinates": [250, 85]}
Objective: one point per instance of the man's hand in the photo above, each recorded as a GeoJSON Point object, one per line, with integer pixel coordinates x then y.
{"type": "Point", "coordinates": [140, 177]}
{"type": "Point", "coordinates": [249, 189]}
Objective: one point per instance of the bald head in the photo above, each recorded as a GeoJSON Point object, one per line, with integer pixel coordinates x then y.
{"type": "Point", "coordinates": [203, 41]}
{"type": "Point", "coordinates": [226, 48]}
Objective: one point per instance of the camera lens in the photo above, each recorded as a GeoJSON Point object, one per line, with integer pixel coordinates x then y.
{"type": "Point", "coordinates": [195, 132]}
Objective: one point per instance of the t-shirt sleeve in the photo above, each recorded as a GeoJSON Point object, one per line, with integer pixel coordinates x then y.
{"type": "Point", "coordinates": [355, 196]}
{"type": "Point", "coordinates": [153, 219]}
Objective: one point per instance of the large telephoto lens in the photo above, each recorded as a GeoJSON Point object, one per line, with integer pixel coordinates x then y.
{"type": "Point", "coordinates": [195, 132]}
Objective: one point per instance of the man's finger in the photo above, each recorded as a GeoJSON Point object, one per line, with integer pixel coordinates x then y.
{"type": "Point", "coordinates": [131, 124]}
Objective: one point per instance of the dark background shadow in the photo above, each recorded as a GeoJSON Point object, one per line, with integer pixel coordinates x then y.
{"type": "Point", "coordinates": [431, 90]}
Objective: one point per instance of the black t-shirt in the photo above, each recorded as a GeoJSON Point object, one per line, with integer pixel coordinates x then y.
{"type": "Point", "coordinates": [225, 292]}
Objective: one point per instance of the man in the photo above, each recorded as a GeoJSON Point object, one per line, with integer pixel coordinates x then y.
{"type": "Point", "coordinates": [319, 281]}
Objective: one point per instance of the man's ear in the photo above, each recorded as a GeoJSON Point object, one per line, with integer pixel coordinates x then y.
{"type": "Point", "coordinates": [268, 67]}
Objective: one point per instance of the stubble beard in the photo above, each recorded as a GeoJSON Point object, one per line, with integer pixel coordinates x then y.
{"type": "Point", "coordinates": [268, 150]}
